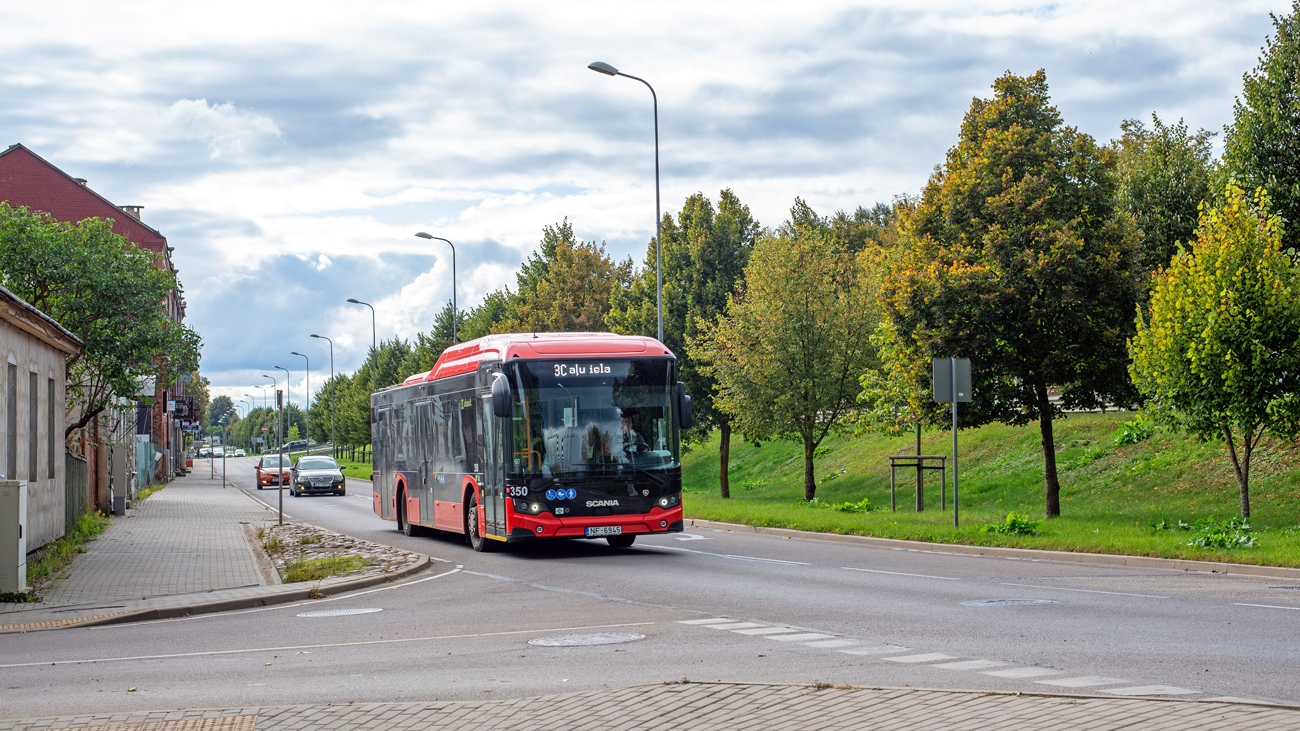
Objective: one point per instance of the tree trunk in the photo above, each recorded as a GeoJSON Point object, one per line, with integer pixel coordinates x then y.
{"type": "Point", "coordinates": [1240, 467]}
{"type": "Point", "coordinates": [724, 455]}
{"type": "Point", "coordinates": [809, 484]}
{"type": "Point", "coordinates": [1049, 453]}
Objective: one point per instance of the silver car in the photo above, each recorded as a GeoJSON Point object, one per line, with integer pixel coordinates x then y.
{"type": "Point", "coordinates": [317, 474]}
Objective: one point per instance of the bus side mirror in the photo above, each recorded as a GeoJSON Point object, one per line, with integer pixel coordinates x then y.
{"type": "Point", "coordinates": [501, 397]}
{"type": "Point", "coordinates": [684, 407]}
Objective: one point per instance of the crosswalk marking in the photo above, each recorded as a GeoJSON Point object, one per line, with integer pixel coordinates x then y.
{"type": "Point", "coordinates": [1082, 681]}
{"type": "Point", "coordinates": [879, 650]}
{"type": "Point", "coordinates": [733, 625]}
{"type": "Point", "coordinates": [800, 636]}
{"type": "Point", "coordinates": [1152, 690]}
{"type": "Point", "coordinates": [765, 631]}
{"type": "Point", "coordinates": [706, 621]}
{"type": "Point", "coordinates": [1029, 672]}
{"type": "Point", "coordinates": [926, 657]}
{"type": "Point", "coordinates": [971, 665]}
{"type": "Point", "coordinates": [833, 643]}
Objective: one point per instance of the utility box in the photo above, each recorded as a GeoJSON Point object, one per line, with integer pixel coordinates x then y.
{"type": "Point", "coordinates": [13, 535]}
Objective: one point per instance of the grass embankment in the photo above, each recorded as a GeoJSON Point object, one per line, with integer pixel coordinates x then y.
{"type": "Point", "coordinates": [57, 556]}
{"type": "Point", "coordinates": [357, 468]}
{"type": "Point", "coordinates": [1112, 496]}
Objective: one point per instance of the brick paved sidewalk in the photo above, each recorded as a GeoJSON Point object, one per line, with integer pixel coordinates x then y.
{"type": "Point", "coordinates": [721, 706]}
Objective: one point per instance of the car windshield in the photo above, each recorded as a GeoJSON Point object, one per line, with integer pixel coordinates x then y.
{"type": "Point", "coordinates": [274, 461]}
{"type": "Point", "coordinates": [592, 416]}
{"type": "Point", "coordinates": [317, 463]}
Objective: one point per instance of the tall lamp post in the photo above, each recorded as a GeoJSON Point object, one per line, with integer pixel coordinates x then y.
{"type": "Point", "coordinates": [288, 416]}
{"type": "Point", "coordinates": [374, 347]}
{"type": "Point", "coordinates": [604, 68]}
{"type": "Point", "coordinates": [275, 386]}
{"type": "Point", "coordinates": [333, 444]}
{"type": "Point", "coordinates": [308, 399]}
{"type": "Point", "coordinates": [423, 235]}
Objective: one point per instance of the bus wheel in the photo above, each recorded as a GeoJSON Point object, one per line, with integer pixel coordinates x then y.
{"type": "Point", "coordinates": [622, 541]}
{"type": "Point", "coordinates": [476, 542]}
{"type": "Point", "coordinates": [402, 525]}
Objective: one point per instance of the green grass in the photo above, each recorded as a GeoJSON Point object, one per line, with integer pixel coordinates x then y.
{"type": "Point", "coordinates": [146, 492]}
{"type": "Point", "coordinates": [1111, 495]}
{"type": "Point", "coordinates": [56, 556]}
{"type": "Point", "coordinates": [355, 468]}
{"type": "Point", "coordinates": [314, 569]}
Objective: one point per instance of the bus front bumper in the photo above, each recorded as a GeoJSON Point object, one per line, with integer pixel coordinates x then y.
{"type": "Point", "coordinates": [547, 525]}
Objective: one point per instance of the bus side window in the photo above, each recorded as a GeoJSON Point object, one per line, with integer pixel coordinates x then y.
{"type": "Point", "coordinates": [468, 431]}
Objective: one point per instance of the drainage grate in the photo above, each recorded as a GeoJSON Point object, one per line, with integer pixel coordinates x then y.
{"type": "Point", "coordinates": [338, 612]}
{"type": "Point", "coordinates": [1008, 602]}
{"type": "Point", "coordinates": [593, 638]}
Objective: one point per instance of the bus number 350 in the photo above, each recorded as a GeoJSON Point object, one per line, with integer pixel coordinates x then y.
{"type": "Point", "coordinates": [513, 491]}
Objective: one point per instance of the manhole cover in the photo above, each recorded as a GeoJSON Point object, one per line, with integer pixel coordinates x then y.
{"type": "Point", "coordinates": [593, 638]}
{"type": "Point", "coordinates": [1008, 602]}
{"type": "Point", "coordinates": [338, 612]}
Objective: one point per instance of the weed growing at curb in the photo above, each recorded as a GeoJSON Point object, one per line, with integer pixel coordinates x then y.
{"type": "Point", "coordinates": [59, 554]}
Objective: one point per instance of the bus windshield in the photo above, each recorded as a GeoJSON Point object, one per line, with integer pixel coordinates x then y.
{"type": "Point", "coordinates": [593, 416]}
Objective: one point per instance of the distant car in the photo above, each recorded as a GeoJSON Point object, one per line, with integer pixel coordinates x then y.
{"type": "Point", "coordinates": [240, 453]}
{"type": "Point", "coordinates": [205, 452]}
{"type": "Point", "coordinates": [218, 452]}
{"type": "Point", "coordinates": [270, 471]}
{"type": "Point", "coordinates": [317, 474]}
{"type": "Point", "coordinates": [295, 445]}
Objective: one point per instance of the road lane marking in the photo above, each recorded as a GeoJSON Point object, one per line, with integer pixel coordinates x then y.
{"type": "Point", "coordinates": [800, 637]}
{"type": "Point", "coordinates": [1152, 690]}
{"type": "Point", "coordinates": [733, 556]}
{"type": "Point", "coordinates": [881, 650]}
{"type": "Point", "coordinates": [765, 631]}
{"type": "Point", "coordinates": [1085, 591]}
{"type": "Point", "coordinates": [734, 625]}
{"type": "Point", "coordinates": [1266, 606]}
{"type": "Point", "coordinates": [900, 573]}
{"type": "Point", "coordinates": [1082, 681]}
{"type": "Point", "coordinates": [972, 665]}
{"type": "Point", "coordinates": [264, 504]}
{"type": "Point", "coordinates": [691, 537]}
{"type": "Point", "coordinates": [831, 644]}
{"type": "Point", "coordinates": [286, 648]}
{"type": "Point", "coordinates": [715, 620]}
{"type": "Point", "coordinates": [925, 657]}
{"type": "Point", "coordinates": [1029, 672]}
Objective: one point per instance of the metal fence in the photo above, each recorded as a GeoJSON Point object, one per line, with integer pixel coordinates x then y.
{"type": "Point", "coordinates": [76, 489]}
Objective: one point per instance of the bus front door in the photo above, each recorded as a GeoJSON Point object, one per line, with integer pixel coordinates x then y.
{"type": "Point", "coordinates": [493, 487]}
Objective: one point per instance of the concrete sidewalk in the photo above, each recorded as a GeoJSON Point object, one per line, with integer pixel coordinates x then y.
{"type": "Point", "coordinates": [186, 549]}
{"type": "Point", "coordinates": [714, 706]}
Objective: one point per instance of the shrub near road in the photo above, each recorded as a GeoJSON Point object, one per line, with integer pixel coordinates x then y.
{"type": "Point", "coordinates": [1117, 494]}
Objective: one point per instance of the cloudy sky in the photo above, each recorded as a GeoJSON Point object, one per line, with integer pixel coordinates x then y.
{"type": "Point", "coordinates": [290, 150]}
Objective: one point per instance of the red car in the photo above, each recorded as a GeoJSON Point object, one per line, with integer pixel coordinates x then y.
{"type": "Point", "coordinates": [270, 471]}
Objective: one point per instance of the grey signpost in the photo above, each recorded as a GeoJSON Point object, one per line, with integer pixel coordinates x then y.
{"type": "Point", "coordinates": [950, 380]}
{"type": "Point", "coordinates": [279, 478]}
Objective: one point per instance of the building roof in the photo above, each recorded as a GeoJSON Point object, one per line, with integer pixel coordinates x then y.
{"type": "Point", "coordinates": [17, 312]}
{"type": "Point", "coordinates": [27, 179]}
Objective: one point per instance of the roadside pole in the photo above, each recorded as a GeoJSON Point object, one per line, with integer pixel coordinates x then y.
{"type": "Point", "coordinates": [279, 407]}
{"type": "Point", "coordinates": [950, 382]}
{"type": "Point", "coordinates": [953, 369]}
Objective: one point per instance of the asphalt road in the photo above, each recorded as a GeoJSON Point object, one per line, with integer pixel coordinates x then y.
{"type": "Point", "coordinates": [463, 630]}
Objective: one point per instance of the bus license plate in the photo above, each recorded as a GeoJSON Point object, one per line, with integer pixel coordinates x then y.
{"type": "Point", "coordinates": [605, 530]}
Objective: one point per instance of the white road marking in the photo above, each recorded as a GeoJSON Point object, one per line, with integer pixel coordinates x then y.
{"type": "Point", "coordinates": [734, 625]}
{"type": "Point", "coordinates": [1029, 672]}
{"type": "Point", "coordinates": [795, 637]}
{"type": "Point", "coordinates": [1082, 681]}
{"type": "Point", "coordinates": [882, 650]}
{"type": "Point", "coordinates": [268, 507]}
{"type": "Point", "coordinates": [900, 573]}
{"type": "Point", "coordinates": [735, 557]}
{"type": "Point", "coordinates": [1085, 591]}
{"type": "Point", "coordinates": [690, 537]}
{"type": "Point", "coordinates": [1266, 606]}
{"type": "Point", "coordinates": [286, 648]}
{"type": "Point", "coordinates": [765, 631]}
{"type": "Point", "coordinates": [715, 620]}
{"type": "Point", "coordinates": [926, 657]}
{"type": "Point", "coordinates": [971, 665]}
{"type": "Point", "coordinates": [1152, 690]}
{"type": "Point", "coordinates": [833, 643]}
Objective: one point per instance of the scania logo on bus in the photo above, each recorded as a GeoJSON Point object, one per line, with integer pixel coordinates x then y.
{"type": "Point", "coordinates": [602, 503]}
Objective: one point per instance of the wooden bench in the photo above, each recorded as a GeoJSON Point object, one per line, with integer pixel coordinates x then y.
{"type": "Point", "coordinates": [921, 463]}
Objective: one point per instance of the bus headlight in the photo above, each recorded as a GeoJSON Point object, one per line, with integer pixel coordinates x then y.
{"type": "Point", "coordinates": [529, 508]}
{"type": "Point", "coordinates": [668, 501]}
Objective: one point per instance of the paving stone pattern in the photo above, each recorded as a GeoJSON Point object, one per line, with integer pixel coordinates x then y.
{"type": "Point", "coordinates": [184, 538]}
{"type": "Point", "coordinates": [696, 707]}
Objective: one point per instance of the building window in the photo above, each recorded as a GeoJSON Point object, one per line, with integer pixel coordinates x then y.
{"type": "Point", "coordinates": [54, 432]}
{"type": "Point", "coordinates": [33, 424]}
{"type": "Point", "coordinates": [11, 424]}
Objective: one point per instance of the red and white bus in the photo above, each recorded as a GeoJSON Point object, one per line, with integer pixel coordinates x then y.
{"type": "Point", "coordinates": [546, 435]}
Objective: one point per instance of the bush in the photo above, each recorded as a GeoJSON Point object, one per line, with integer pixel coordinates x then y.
{"type": "Point", "coordinates": [1137, 429]}
{"type": "Point", "coordinates": [828, 477]}
{"type": "Point", "coordinates": [1014, 525]}
{"type": "Point", "coordinates": [862, 506]}
{"type": "Point", "coordinates": [753, 484]}
{"type": "Point", "coordinates": [1232, 533]}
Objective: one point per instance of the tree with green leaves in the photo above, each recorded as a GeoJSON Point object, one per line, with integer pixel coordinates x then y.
{"type": "Point", "coordinates": [1164, 174]}
{"type": "Point", "coordinates": [221, 407]}
{"type": "Point", "coordinates": [1019, 261]}
{"type": "Point", "coordinates": [566, 287]}
{"type": "Point", "coordinates": [1219, 354]}
{"type": "Point", "coordinates": [106, 291]}
{"type": "Point", "coordinates": [1261, 148]}
{"type": "Point", "coordinates": [197, 388]}
{"type": "Point", "coordinates": [704, 256]}
{"type": "Point", "coordinates": [788, 352]}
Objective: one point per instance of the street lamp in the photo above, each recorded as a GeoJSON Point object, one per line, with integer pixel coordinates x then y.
{"type": "Point", "coordinates": [287, 415]}
{"type": "Point", "coordinates": [424, 235]}
{"type": "Point", "coordinates": [603, 68]}
{"type": "Point", "coordinates": [333, 444]}
{"type": "Point", "coordinates": [275, 386]}
{"type": "Point", "coordinates": [308, 396]}
{"type": "Point", "coordinates": [374, 348]}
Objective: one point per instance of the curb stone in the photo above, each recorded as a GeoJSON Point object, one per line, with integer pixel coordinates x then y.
{"type": "Point", "coordinates": [1023, 554]}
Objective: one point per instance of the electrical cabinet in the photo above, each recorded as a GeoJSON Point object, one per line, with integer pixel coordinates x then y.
{"type": "Point", "coordinates": [13, 535]}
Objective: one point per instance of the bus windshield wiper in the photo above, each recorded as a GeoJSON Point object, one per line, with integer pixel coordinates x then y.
{"type": "Point", "coordinates": [655, 478]}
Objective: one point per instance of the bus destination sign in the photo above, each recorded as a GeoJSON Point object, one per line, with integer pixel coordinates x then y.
{"type": "Point", "coordinates": [581, 369]}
